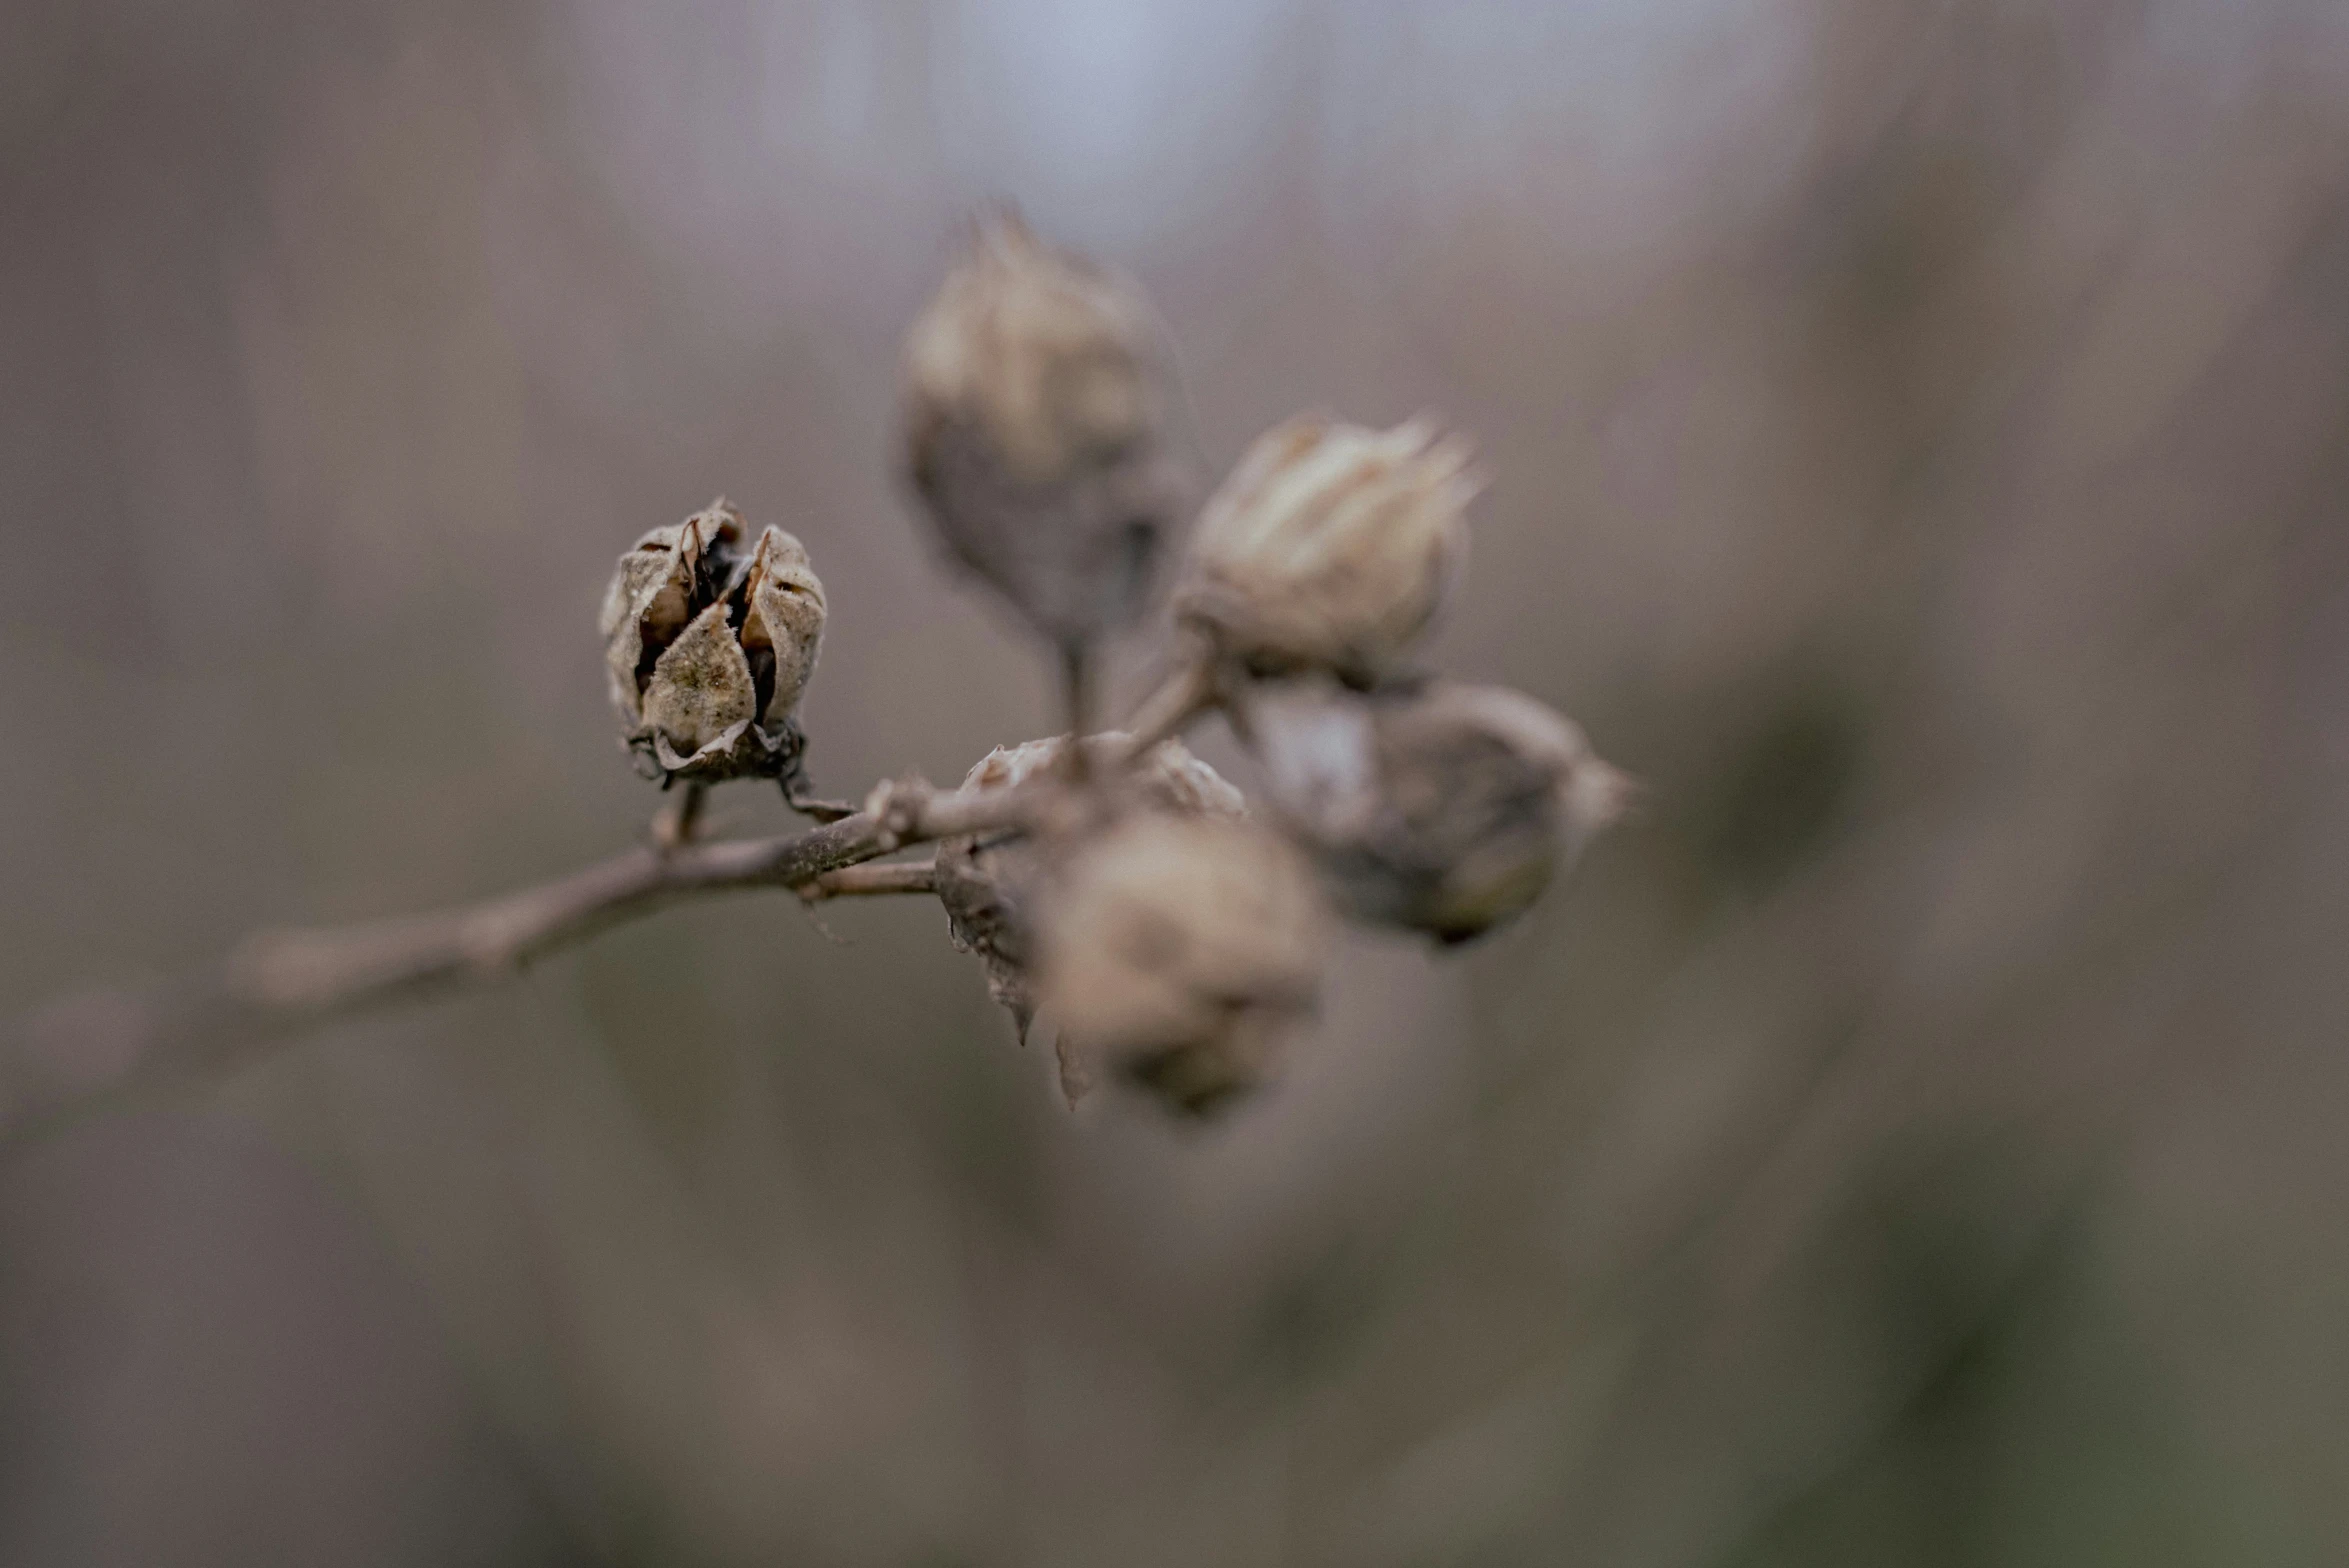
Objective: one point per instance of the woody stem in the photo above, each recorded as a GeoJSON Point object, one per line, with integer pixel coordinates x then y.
{"type": "Point", "coordinates": [1187, 692]}
{"type": "Point", "coordinates": [277, 984]}
{"type": "Point", "coordinates": [873, 881]}
{"type": "Point", "coordinates": [681, 819]}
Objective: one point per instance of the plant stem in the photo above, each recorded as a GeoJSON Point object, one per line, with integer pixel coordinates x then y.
{"type": "Point", "coordinates": [873, 881]}
{"type": "Point", "coordinates": [278, 983]}
{"type": "Point", "coordinates": [1187, 692]}
{"type": "Point", "coordinates": [677, 824]}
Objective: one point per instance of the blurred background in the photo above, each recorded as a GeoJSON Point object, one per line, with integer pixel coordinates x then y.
{"type": "Point", "coordinates": [1920, 440]}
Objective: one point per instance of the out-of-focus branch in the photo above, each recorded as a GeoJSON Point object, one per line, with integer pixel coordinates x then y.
{"type": "Point", "coordinates": [278, 983]}
{"type": "Point", "coordinates": [1188, 691]}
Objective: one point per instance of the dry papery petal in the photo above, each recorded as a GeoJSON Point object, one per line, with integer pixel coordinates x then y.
{"type": "Point", "coordinates": [658, 587]}
{"type": "Point", "coordinates": [1438, 807]}
{"type": "Point", "coordinates": [700, 691]}
{"type": "Point", "coordinates": [1035, 405]}
{"type": "Point", "coordinates": [1180, 953]}
{"type": "Point", "coordinates": [782, 621]}
{"type": "Point", "coordinates": [1331, 546]}
{"type": "Point", "coordinates": [985, 880]}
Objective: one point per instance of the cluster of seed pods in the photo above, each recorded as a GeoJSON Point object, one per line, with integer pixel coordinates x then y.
{"type": "Point", "coordinates": [1172, 934]}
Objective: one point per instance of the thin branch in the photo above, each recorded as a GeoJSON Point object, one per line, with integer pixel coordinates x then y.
{"type": "Point", "coordinates": [277, 984]}
{"type": "Point", "coordinates": [681, 819]}
{"type": "Point", "coordinates": [873, 881]}
{"type": "Point", "coordinates": [1190, 690]}
{"type": "Point", "coordinates": [814, 807]}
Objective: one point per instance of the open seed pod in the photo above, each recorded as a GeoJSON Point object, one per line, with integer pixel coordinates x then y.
{"type": "Point", "coordinates": [1179, 953]}
{"type": "Point", "coordinates": [708, 644]}
{"type": "Point", "coordinates": [1036, 403]}
{"type": "Point", "coordinates": [1330, 547]}
{"type": "Point", "coordinates": [1437, 806]}
{"type": "Point", "coordinates": [987, 880]}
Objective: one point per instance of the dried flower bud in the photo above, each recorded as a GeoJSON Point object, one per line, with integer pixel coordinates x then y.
{"type": "Point", "coordinates": [1180, 952]}
{"type": "Point", "coordinates": [1034, 415]}
{"type": "Point", "coordinates": [1330, 546]}
{"type": "Point", "coordinates": [708, 647]}
{"type": "Point", "coordinates": [1440, 807]}
{"type": "Point", "coordinates": [985, 880]}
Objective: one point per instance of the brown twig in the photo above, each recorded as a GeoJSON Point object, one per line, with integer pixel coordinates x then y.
{"type": "Point", "coordinates": [873, 881]}
{"type": "Point", "coordinates": [1190, 690]}
{"type": "Point", "coordinates": [815, 808]}
{"type": "Point", "coordinates": [679, 821]}
{"type": "Point", "coordinates": [277, 984]}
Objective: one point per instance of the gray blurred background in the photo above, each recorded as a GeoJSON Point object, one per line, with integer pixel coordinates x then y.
{"type": "Point", "coordinates": [1918, 433]}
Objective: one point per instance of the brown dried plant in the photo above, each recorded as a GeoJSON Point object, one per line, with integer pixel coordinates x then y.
{"type": "Point", "coordinates": [1119, 889]}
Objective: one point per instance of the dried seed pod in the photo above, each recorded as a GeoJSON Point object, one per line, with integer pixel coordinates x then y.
{"type": "Point", "coordinates": [1035, 413]}
{"type": "Point", "coordinates": [1330, 546]}
{"type": "Point", "coordinates": [709, 646]}
{"type": "Point", "coordinates": [1439, 807]}
{"type": "Point", "coordinates": [985, 880]}
{"type": "Point", "coordinates": [1180, 953]}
